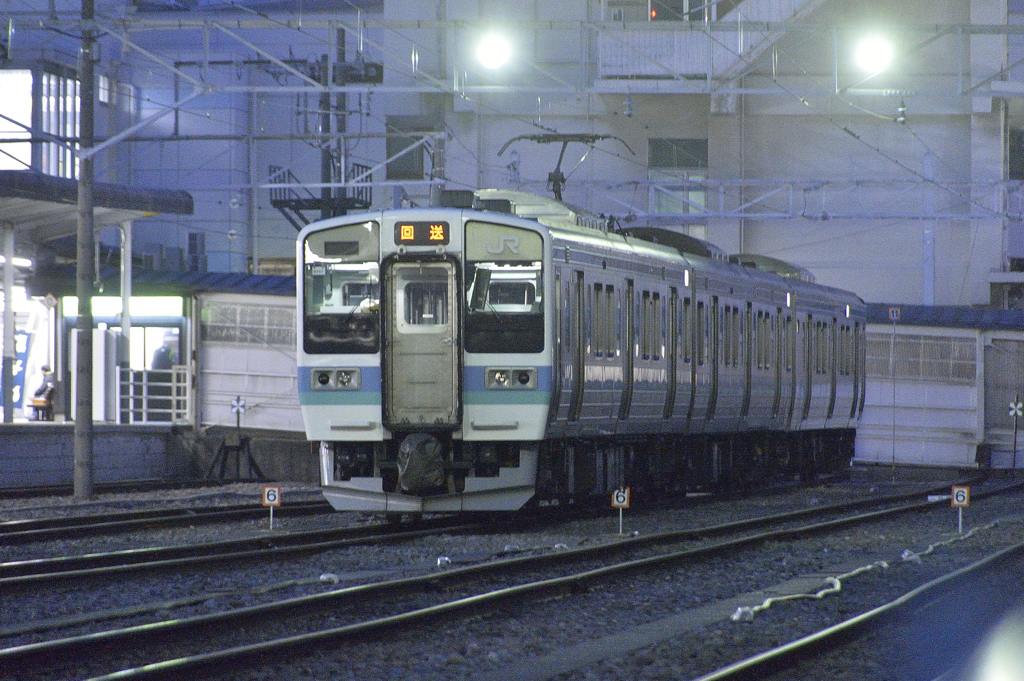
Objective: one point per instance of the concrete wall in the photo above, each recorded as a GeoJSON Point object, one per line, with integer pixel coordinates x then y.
{"type": "Point", "coordinates": [43, 454]}
{"type": "Point", "coordinates": [279, 455]}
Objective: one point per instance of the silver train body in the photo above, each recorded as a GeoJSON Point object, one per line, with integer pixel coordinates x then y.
{"type": "Point", "coordinates": [456, 359]}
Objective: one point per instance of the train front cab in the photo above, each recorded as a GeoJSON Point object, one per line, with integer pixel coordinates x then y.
{"type": "Point", "coordinates": [422, 360]}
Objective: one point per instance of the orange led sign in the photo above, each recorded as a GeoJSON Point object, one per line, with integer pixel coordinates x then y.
{"type": "Point", "coordinates": [422, 233]}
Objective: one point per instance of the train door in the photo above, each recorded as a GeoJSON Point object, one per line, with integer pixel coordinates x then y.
{"type": "Point", "coordinates": [577, 345]}
{"type": "Point", "coordinates": [557, 351]}
{"type": "Point", "coordinates": [855, 366]}
{"type": "Point", "coordinates": [698, 347]}
{"type": "Point", "coordinates": [673, 351]}
{"type": "Point", "coordinates": [628, 350]}
{"type": "Point", "coordinates": [713, 356]}
{"type": "Point", "coordinates": [809, 363]}
{"type": "Point", "coordinates": [789, 339]}
{"type": "Point", "coordinates": [747, 334]}
{"type": "Point", "coordinates": [421, 358]}
{"type": "Point", "coordinates": [833, 350]}
{"type": "Point", "coordinates": [777, 334]}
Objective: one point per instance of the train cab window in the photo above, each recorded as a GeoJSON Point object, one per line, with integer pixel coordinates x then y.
{"type": "Point", "coordinates": [341, 290]}
{"type": "Point", "coordinates": [504, 289]}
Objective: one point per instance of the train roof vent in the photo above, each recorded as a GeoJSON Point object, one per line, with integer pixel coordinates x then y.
{"type": "Point", "coordinates": [493, 205]}
{"type": "Point", "coordinates": [456, 198]}
{"type": "Point", "coordinates": [683, 243]}
{"type": "Point", "coordinates": [530, 206]}
{"type": "Point", "coordinates": [768, 264]}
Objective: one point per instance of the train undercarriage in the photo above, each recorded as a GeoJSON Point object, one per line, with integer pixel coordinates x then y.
{"type": "Point", "coordinates": [426, 473]}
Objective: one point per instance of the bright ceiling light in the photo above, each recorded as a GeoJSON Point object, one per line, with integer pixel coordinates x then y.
{"type": "Point", "coordinates": [874, 54]}
{"type": "Point", "coordinates": [18, 262]}
{"type": "Point", "coordinates": [493, 51]}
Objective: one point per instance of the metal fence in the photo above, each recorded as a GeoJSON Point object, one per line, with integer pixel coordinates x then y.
{"type": "Point", "coordinates": [162, 396]}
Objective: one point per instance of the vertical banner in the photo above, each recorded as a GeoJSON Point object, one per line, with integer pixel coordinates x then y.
{"type": "Point", "coordinates": [21, 340]}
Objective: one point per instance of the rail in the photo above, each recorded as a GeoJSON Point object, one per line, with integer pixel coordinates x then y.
{"type": "Point", "coordinates": [155, 396]}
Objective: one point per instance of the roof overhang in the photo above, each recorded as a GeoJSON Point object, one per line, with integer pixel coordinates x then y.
{"type": "Point", "coordinates": [45, 208]}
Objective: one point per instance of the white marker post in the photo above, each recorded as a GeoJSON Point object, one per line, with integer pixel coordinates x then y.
{"type": "Point", "coordinates": [271, 498]}
{"type": "Point", "coordinates": [960, 499]}
{"type": "Point", "coordinates": [620, 500]}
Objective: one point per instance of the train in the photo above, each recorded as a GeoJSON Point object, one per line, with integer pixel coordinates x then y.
{"type": "Point", "coordinates": [503, 350]}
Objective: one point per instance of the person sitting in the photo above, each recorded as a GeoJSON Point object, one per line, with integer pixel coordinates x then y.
{"type": "Point", "coordinates": [163, 358]}
{"type": "Point", "coordinates": [43, 397]}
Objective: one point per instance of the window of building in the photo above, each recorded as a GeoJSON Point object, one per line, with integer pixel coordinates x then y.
{"type": "Point", "coordinates": [61, 104]}
{"type": "Point", "coordinates": [677, 169]}
{"type": "Point", "coordinates": [16, 108]}
{"type": "Point", "coordinates": [103, 89]}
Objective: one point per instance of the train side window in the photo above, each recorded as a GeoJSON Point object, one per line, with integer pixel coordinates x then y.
{"type": "Point", "coordinates": [687, 331]}
{"type": "Point", "coordinates": [700, 333]}
{"type": "Point", "coordinates": [789, 343]}
{"type": "Point", "coordinates": [758, 340]}
{"type": "Point", "coordinates": [755, 340]}
{"type": "Point", "coordinates": [603, 320]}
{"type": "Point", "coordinates": [738, 337]}
{"type": "Point", "coordinates": [841, 359]}
{"type": "Point", "coordinates": [650, 325]}
{"type": "Point", "coordinates": [611, 321]}
{"type": "Point", "coordinates": [731, 339]}
{"type": "Point", "coordinates": [727, 336]}
{"type": "Point", "coordinates": [645, 325]}
{"type": "Point", "coordinates": [657, 343]}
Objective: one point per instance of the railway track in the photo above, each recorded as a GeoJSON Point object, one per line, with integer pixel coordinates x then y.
{"type": "Point", "coordinates": [37, 491]}
{"type": "Point", "coordinates": [369, 610]}
{"type": "Point", "coordinates": [989, 588]}
{"type": "Point", "coordinates": [43, 572]}
{"type": "Point", "coordinates": [13, 532]}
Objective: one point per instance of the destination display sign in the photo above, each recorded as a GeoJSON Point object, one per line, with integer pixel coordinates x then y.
{"type": "Point", "coordinates": [422, 233]}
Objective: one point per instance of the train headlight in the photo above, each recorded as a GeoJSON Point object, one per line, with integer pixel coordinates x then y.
{"type": "Point", "coordinates": [510, 379]}
{"type": "Point", "coordinates": [348, 379]}
{"type": "Point", "coordinates": [334, 379]}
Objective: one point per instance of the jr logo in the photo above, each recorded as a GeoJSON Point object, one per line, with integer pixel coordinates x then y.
{"type": "Point", "coordinates": [510, 242]}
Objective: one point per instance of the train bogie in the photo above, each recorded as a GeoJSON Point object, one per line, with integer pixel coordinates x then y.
{"type": "Point", "coordinates": [455, 359]}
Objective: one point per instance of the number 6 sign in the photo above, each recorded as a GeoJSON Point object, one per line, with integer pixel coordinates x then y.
{"type": "Point", "coordinates": [271, 498]}
{"type": "Point", "coordinates": [620, 498]}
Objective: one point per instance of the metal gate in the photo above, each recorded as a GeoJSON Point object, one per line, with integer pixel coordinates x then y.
{"type": "Point", "coordinates": [421, 365]}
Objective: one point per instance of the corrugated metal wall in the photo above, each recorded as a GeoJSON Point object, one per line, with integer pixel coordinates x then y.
{"type": "Point", "coordinates": [247, 350]}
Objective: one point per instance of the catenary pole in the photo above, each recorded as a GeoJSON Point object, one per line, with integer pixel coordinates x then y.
{"type": "Point", "coordinates": [83, 480]}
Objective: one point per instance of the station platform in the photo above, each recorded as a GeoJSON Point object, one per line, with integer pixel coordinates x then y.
{"type": "Point", "coordinates": [41, 453]}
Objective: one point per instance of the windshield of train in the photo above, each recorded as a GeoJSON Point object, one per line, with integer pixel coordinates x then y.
{"type": "Point", "coordinates": [504, 289]}
{"type": "Point", "coordinates": [341, 306]}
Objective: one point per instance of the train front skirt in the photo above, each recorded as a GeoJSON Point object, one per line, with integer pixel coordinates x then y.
{"type": "Point", "coordinates": [510, 490]}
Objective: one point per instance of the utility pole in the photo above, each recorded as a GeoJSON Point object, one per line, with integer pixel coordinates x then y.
{"type": "Point", "coordinates": [84, 280]}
